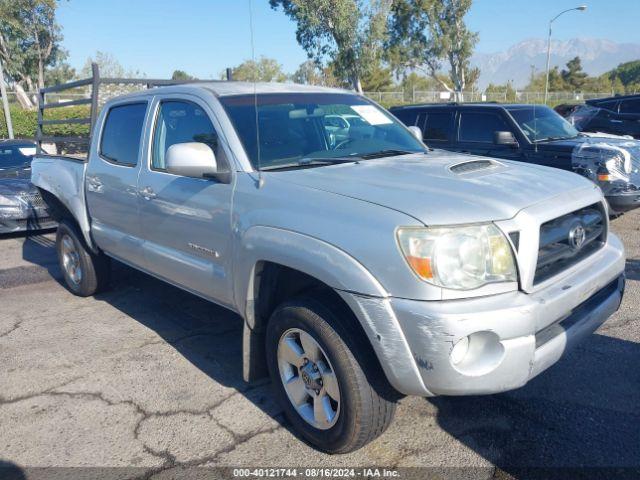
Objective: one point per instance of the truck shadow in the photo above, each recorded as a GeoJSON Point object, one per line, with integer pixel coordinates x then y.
{"type": "Point", "coordinates": [582, 414]}
{"type": "Point", "coordinates": [207, 335]}
{"type": "Point", "coordinates": [632, 269]}
{"type": "Point", "coordinates": [11, 471]}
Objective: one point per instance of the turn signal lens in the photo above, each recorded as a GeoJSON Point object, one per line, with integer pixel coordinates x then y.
{"type": "Point", "coordinates": [422, 266]}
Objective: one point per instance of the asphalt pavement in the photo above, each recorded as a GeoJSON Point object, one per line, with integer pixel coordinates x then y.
{"type": "Point", "coordinates": [146, 380]}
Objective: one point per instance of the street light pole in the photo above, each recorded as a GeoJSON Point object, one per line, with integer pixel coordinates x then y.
{"type": "Point", "coordinates": [581, 8]}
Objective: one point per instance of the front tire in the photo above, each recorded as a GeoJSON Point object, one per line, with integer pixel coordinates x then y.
{"type": "Point", "coordinates": [85, 273]}
{"type": "Point", "coordinates": [326, 379]}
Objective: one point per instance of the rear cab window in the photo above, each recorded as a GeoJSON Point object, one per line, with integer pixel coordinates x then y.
{"type": "Point", "coordinates": [630, 106]}
{"type": "Point", "coordinates": [436, 126]}
{"type": "Point", "coordinates": [122, 132]}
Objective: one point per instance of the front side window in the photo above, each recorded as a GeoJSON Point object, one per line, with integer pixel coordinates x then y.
{"type": "Point", "coordinates": [542, 123]}
{"type": "Point", "coordinates": [294, 128]}
{"type": "Point", "coordinates": [122, 132]}
{"type": "Point", "coordinates": [181, 121]}
{"type": "Point", "coordinates": [481, 127]}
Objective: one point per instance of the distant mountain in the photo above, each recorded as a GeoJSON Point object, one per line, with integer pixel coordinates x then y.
{"type": "Point", "coordinates": [598, 56]}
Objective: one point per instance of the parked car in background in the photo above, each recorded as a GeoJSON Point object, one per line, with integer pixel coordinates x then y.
{"type": "Point", "coordinates": [532, 134]}
{"type": "Point", "coordinates": [21, 206]}
{"type": "Point", "coordinates": [616, 115]}
{"type": "Point", "coordinates": [565, 109]}
{"type": "Point", "coordinates": [362, 268]}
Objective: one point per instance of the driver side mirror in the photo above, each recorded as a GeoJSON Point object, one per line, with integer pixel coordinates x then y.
{"type": "Point", "coordinates": [505, 138]}
{"type": "Point", "coordinates": [193, 159]}
{"type": "Point", "coordinates": [416, 131]}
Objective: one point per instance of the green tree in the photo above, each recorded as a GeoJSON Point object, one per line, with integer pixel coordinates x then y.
{"type": "Point", "coordinates": [181, 75]}
{"type": "Point", "coordinates": [263, 70]}
{"type": "Point", "coordinates": [309, 73]}
{"type": "Point", "coordinates": [424, 34]}
{"type": "Point", "coordinates": [347, 34]}
{"type": "Point", "coordinates": [556, 82]}
{"type": "Point", "coordinates": [627, 74]}
{"type": "Point", "coordinates": [504, 93]}
{"type": "Point", "coordinates": [109, 67]}
{"type": "Point", "coordinates": [108, 64]}
{"type": "Point", "coordinates": [377, 79]}
{"type": "Point", "coordinates": [61, 73]}
{"type": "Point", "coordinates": [29, 42]}
{"type": "Point", "coordinates": [413, 81]}
{"type": "Point", "coordinates": [573, 76]}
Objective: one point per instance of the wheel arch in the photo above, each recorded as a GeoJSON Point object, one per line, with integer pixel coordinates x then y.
{"type": "Point", "coordinates": [276, 265]}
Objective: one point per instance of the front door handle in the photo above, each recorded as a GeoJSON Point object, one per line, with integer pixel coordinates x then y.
{"type": "Point", "coordinates": [148, 193]}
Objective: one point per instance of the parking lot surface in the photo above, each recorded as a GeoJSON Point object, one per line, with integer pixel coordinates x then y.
{"type": "Point", "coordinates": [149, 377]}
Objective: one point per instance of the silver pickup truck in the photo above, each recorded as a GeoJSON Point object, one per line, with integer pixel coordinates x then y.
{"type": "Point", "coordinates": [365, 266]}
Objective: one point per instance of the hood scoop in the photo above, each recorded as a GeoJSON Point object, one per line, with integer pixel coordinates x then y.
{"type": "Point", "coordinates": [473, 166]}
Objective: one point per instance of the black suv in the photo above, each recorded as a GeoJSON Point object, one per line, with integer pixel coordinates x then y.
{"type": "Point", "coordinates": [533, 134]}
{"type": "Point", "coordinates": [616, 115]}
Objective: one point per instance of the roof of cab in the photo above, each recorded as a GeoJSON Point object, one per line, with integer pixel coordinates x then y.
{"type": "Point", "coordinates": [466, 105]}
{"type": "Point", "coordinates": [17, 143]}
{"type": "Point", "coordinates": [226, 89]}
{"type": "Point", "coordinates": [223, 89]}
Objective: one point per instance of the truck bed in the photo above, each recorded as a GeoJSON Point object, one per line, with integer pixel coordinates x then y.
{"type": "Point", "coordinates": [63, 177]}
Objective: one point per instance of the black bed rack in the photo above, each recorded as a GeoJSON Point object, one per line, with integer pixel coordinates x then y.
{"type": "Point", "coordinates": [95, 81]}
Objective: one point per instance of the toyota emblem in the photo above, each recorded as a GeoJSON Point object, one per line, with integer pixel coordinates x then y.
{"type": "Point", "coordinates": [577, 236]}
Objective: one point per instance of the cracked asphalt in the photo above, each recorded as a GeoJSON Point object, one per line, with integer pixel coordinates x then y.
{"type": "Point", "coordinates": [148, 377]}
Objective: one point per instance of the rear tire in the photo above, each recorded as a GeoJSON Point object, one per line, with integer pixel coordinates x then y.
{"type": "Point", "coordinates": [85, 273]}
{"type": "Point", "coordinates": [357, 403]}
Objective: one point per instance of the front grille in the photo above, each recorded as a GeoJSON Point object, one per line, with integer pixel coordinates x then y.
{"type": "Point", "coordinates": [560, 245]}
{"type": "Point", "coordinates": [33, 200]}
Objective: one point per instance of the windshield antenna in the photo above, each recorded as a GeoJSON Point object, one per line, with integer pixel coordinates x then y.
{"type": "Point", "coordinates": [535, 129]}
{"type": "Point", "coordinates": [255, 94]}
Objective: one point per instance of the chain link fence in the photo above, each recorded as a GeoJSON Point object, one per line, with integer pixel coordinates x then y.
{"type": "Point", "coordinates": [513, 96]}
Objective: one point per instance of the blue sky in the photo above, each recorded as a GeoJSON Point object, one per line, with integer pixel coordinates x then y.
{"type": "Point", "coordinates": [203, 37]}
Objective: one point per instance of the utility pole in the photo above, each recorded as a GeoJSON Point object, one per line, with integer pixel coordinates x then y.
{"type": "Point", "coordinates": [5, 102]}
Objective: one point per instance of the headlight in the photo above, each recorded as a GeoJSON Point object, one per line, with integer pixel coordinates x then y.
{"type": "Point", "coordinates": [460, 258]}
{"type": "Point", "coordinates": [619, 164]}
{"type": "Point", "coordinates": [8, 202]}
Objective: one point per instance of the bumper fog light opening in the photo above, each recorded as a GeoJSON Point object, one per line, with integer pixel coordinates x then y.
{"type": "Point", "coordinates": [459, 350]}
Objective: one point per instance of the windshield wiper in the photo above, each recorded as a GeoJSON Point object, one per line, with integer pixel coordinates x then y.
{"type": "Point", "coordinates": [384, 153]}
{"type": "Point", "coordinates": [312, 162]}
{"type": "Point", "coordinates": [553, 138]}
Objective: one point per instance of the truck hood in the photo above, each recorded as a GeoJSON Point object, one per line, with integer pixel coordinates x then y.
{"type": "Point", "coordinates": [16, 186]}
{"type": "Point", "coordinates": [425, 186]}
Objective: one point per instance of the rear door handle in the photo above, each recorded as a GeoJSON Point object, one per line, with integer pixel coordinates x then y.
{"type": "Point", "coordinates": [148, 193]}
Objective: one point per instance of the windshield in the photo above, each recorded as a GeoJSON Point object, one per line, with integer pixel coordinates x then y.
{"type": "Point", "coordinates": [545, 125]}
{"type": "Point", "coordinates": [15, 156]}
{"type": "Point", "coordinates": [296, 129]}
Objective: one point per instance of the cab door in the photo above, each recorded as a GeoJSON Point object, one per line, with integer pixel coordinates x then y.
{"type": "Point", "coordinates": [186, 221]}
{"type": "Point", "coordinates": [111, 181]}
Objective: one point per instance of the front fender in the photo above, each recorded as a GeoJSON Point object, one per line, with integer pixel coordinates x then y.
{"type": "Point", "coordinates": [301, 252]}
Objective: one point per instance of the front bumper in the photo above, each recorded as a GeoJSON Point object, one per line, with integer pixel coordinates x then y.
{"type": "Point", "coordinates": [514, 336]}
{"type": "Point", "coordinates": [624, 200]}
{"type": "Point", "coordinates": [22, 219]}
